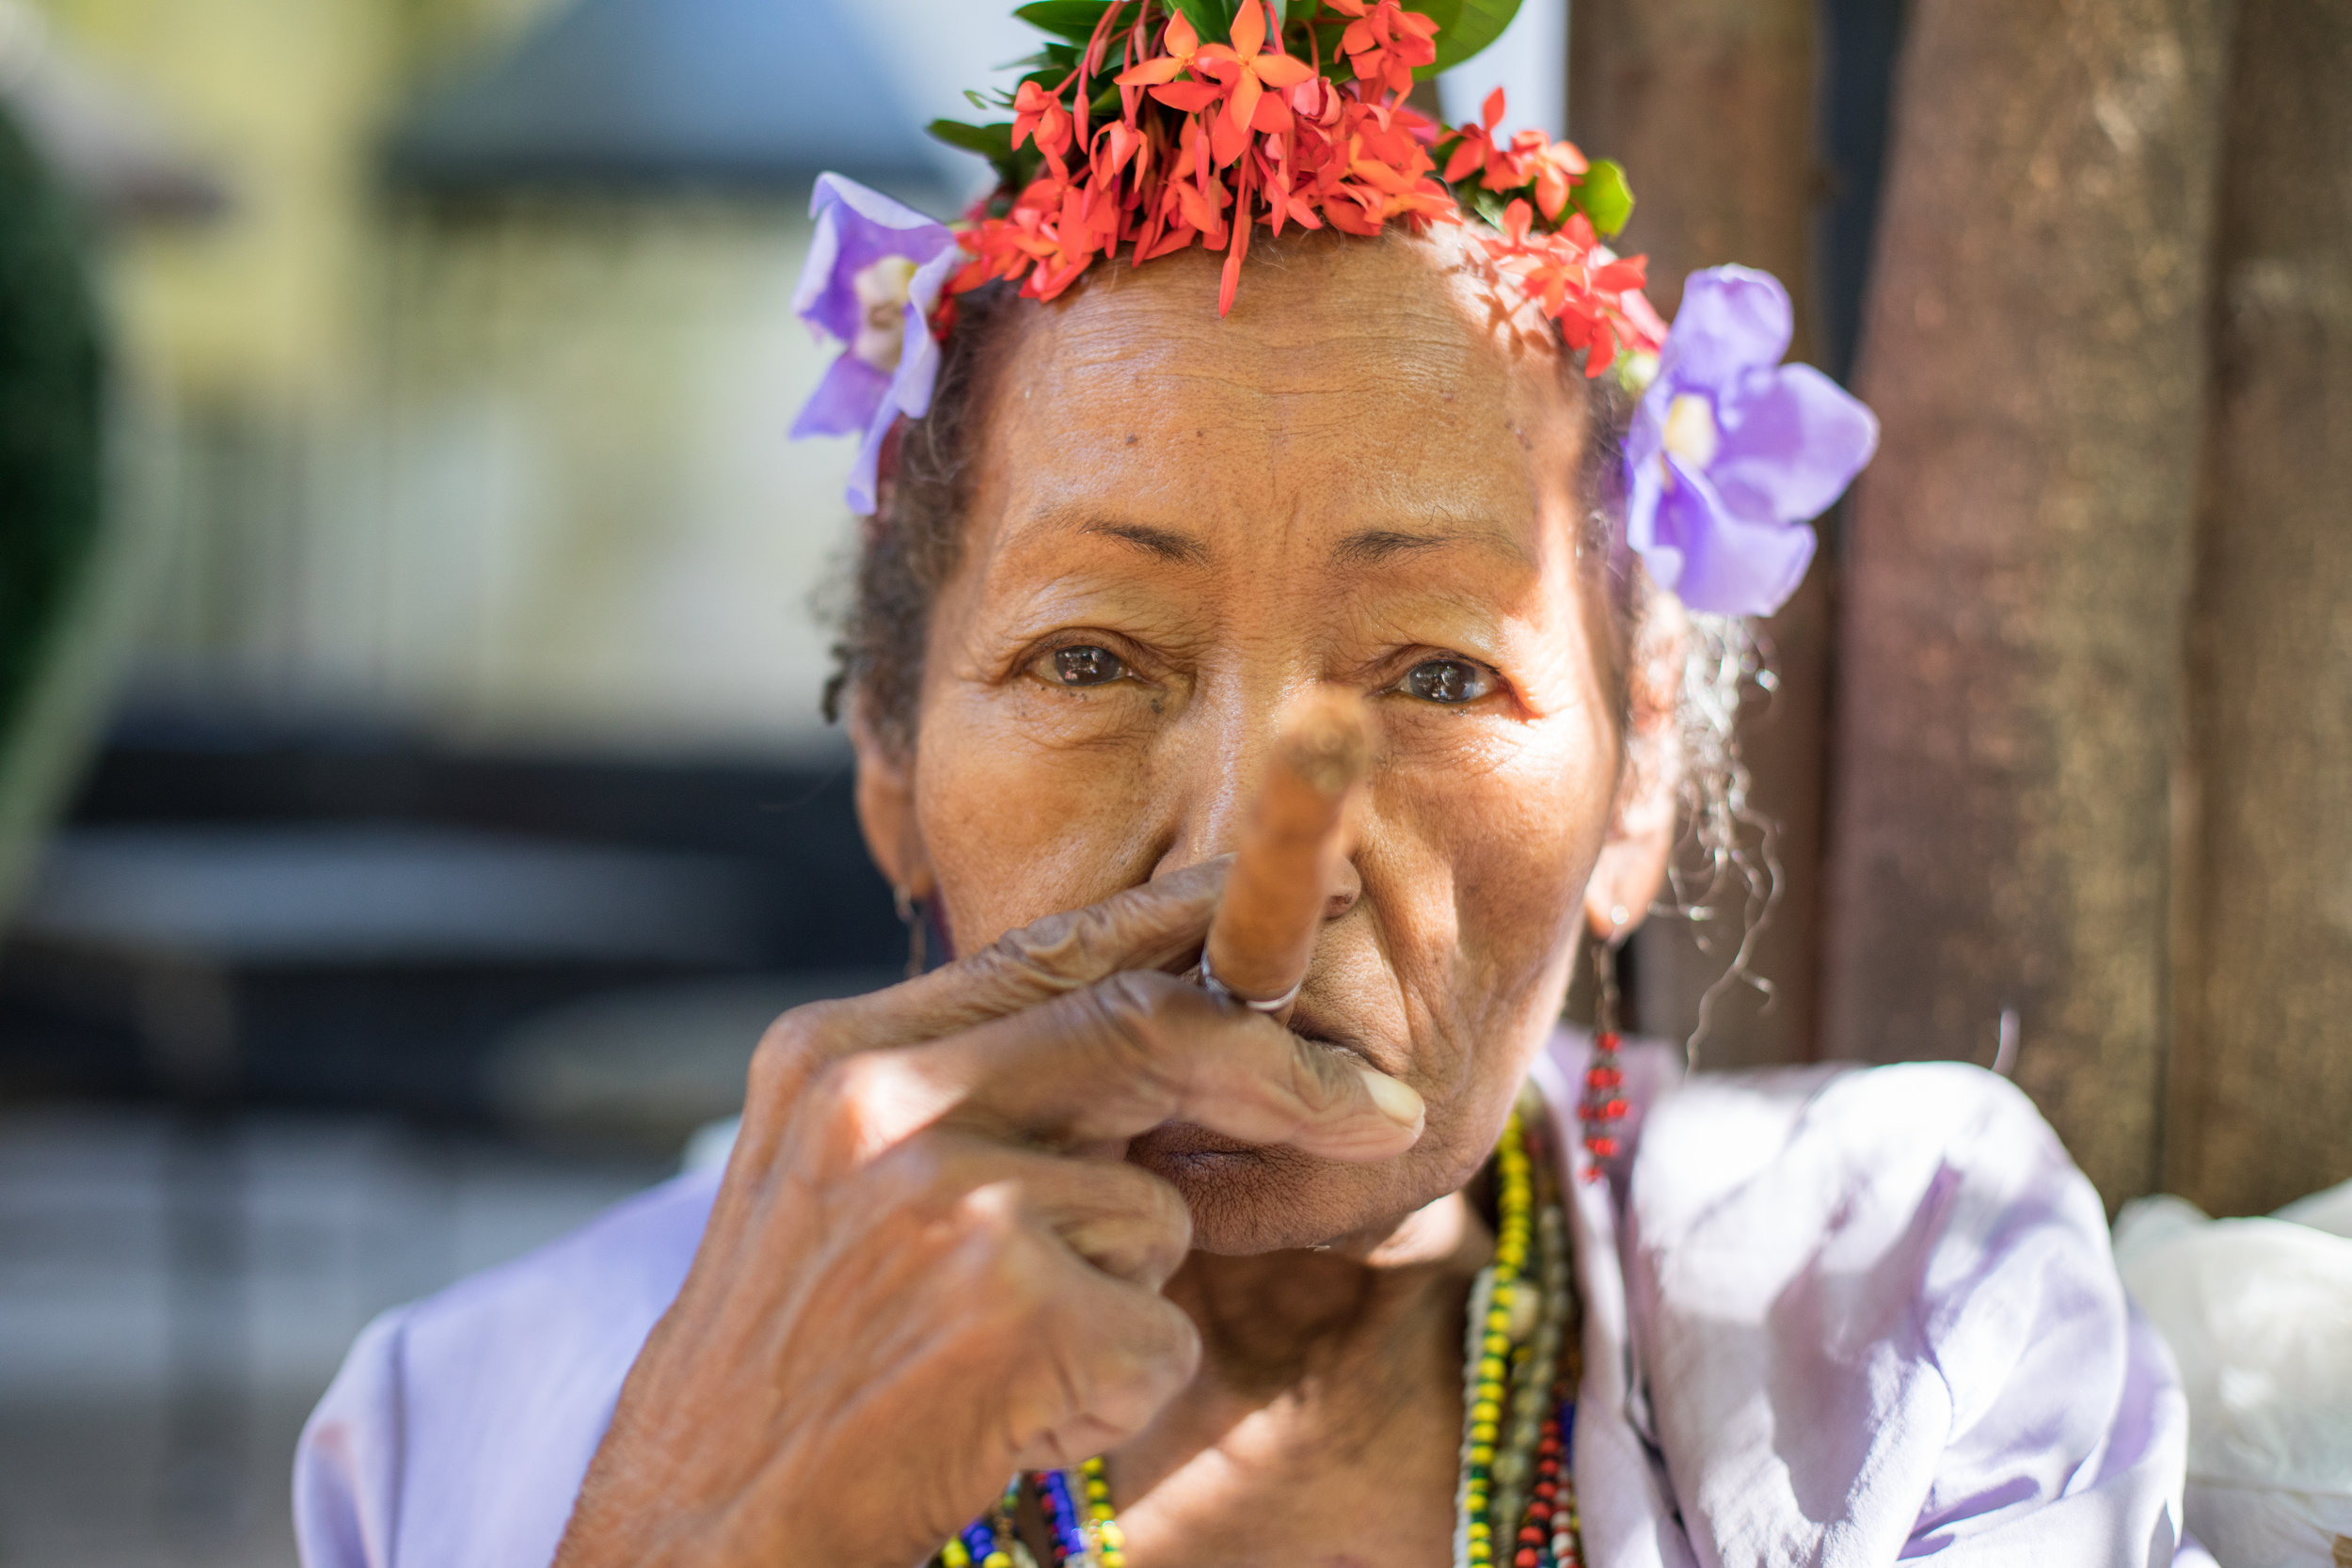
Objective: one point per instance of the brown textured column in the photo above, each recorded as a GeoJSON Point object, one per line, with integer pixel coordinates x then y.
{"type": "Point", "coordinates": [2262, 1068]}
{"type": "Point", "coordinates": [2018, 557]}
{"type": "Point", "coordinates": [1710, 103]}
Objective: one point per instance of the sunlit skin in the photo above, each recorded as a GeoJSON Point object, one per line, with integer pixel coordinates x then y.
{"type": "Point", "coordinates": [1348, 489]}
{"type": "Point", "coordinates": [1366, 479]}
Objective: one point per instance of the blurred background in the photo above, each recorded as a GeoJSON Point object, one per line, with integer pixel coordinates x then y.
{"type": "Point", "coordinates": [413, 797]}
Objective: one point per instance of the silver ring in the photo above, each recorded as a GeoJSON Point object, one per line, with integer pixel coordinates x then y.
{"type": "Point", "coordinates": [1215, 986]}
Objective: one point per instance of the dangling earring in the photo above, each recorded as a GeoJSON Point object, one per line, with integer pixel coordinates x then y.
{"type": "Point", "coordinates": [915, 919]}
{"type": "Point", "coordinates": [1603, 1112]}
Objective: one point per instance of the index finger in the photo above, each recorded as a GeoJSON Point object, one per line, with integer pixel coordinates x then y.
{"type": "Point", "coordinates": [1156, 926]}
{"type": "Point", "coordinates": [1132, 1053]}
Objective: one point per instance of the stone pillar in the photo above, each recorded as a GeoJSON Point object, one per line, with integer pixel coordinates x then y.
{"type": "Point", "coordinates": [2017, 569]}
{"type": "Point", "coordinates": [1710, 103]}
{"type": "Point", "coordinates": [2262, 1083]}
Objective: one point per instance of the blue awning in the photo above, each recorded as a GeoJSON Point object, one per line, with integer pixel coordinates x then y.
{"type": "Point", "coordinates": [733, 93]}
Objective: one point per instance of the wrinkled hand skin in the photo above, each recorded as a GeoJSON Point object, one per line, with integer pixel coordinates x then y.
{"type": "Point", "coordinates": [929, 1266]}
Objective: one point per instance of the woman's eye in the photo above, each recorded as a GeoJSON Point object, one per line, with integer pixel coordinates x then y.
{"type": "Point", "coordinates": [1087, 666]}
{"type": "Point", "coordinates": [1449, 680]}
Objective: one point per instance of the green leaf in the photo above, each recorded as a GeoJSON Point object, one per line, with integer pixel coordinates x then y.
{"type": "Point", "coordinates": [1212, 19]}
{"type": "Point", "coordinates": [1075, 20]}
{"type": "Point", "coordinates": [1464, 28]}
{"type": "Point", "coordinates": [1050, 66]}
{"type": "Point", "coordinates": [1015, 167]}
{"type": "Point", "coordinates": [1604, 196]}
{"type": "Point", "coordinates": [1059, 58]}
{"type": "Point", "coordinates": [1488, 204]}
{"type": "Point", "coordinates": [992, 142]}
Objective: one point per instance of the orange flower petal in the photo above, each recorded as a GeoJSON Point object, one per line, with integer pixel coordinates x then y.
{"type": "Point", "coordinates": [1149, 74]}
{"type": "Point", "coordinates": [1244, 100]}
{"type": "Point", "coordinates": [1248, 28]}
{"type": "Point", "coordinates": [1281, 70]}
{"type": "Point", "coordinates": [1214, 59]}
{"type": "Point", "coordinates": [1552, 191]}
{"type": "Point", "coordinates": [1188, 97]}
{"type": "Point", "coordinates": [1228, 137]}
{"type": "Point", "coordinates": [1619, 276]}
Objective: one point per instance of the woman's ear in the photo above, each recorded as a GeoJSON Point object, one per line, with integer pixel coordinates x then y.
{"type": "Point", "coordinates": [885, 804]}
{"type": "Point", "coordinates": [1631, 870]}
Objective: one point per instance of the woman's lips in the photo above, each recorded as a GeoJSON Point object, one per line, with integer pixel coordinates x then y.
{"type": "Point", "coordinates": [1181, 1142]}
{"type": "Point", "coordinates": [1309, 1024]}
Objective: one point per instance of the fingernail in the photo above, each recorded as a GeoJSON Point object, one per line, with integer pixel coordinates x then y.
{"type": "Point", "coordinates": [1397, 1101]}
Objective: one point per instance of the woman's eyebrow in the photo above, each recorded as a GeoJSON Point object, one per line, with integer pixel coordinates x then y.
{"type": "Point", "coordinates": [1167, 543]}
{"type": "Point", "coordinates": [1365, 548]}
{"type": "Point", "coordinates": [1375, 547]}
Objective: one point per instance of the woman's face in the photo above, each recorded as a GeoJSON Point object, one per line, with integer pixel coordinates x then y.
{"type": "Point", "coordinates": [1365, 477]}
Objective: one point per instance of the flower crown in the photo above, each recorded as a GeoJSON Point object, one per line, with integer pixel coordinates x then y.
{"type": "Point", "coordinates": [1131, 134]}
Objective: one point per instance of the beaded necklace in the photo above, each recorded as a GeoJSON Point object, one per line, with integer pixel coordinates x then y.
{"type": "Point", "coordinates": [1520, 1365]}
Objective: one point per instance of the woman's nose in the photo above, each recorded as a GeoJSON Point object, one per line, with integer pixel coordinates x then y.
{"type": "Point", "coordinates": [1216, 775]}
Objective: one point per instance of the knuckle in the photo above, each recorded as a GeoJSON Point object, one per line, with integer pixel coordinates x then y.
{"type": "Point", "coordinates": [1120, 1365]}
{"type": "Point", "coordinates": [991, 1212]}
{"type": "Point", "coordinates": [1014, 1269]}
{"type": "Point", "coordinates": [1062, 949]}
{"type": "Point", "coordinates": [1172, 1341]}
{"type": "Point", "coordinates": [1170, 1215]}
{"type": "Point", "coordinates": [944, 1216]}
{"type": "Point", "coordinates": [1138, 1195]}
{"type": "Point", "coordinates": [1139, 1007]}
{"type": "Point", "coordinates": [789, 1051]}
{"type": "Point", "coordinates": [828, 1089]}
{"type": "Point", "coordinates": [916, 1176]}
{"type": "Point", "coordinates": [1112, 1022]}
{"type": "Point", "coordinates": [1148, 1024]}
{"type": "Point", "coordinates": [849, 1098]}
{"type": "Point", "coordinates": [1150, 1225]}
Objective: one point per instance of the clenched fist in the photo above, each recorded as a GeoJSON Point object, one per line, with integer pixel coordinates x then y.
{"type": "Point", "coordinates": [929, 1264]}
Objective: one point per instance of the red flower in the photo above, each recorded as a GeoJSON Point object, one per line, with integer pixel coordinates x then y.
{"type": "Point", "coordinates": [1386, 43]}
{"type": "Point", "coordinates": [1592, 294]}
{"type": "Point", "coordinates": [1476, 150]}
{"type": "Point", "coordinates": [1214, 139]}
{"type": "Point", "coordinates": [1556, 164]}
{"type": "Point", "coordinates": [1040, 114]}
{"type": "Point", "coordinates": [1159, 73]}
{"type": "Point", "coordinates": [1253, 77]}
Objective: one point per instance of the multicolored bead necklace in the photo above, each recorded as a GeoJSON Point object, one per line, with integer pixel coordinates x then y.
{"type": "Point", "coordinates": [1520, 1365]}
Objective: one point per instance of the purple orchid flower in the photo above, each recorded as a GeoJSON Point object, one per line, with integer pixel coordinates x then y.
{"type": "Point", "coordinates": [1732, 454]}
{"type": "Point", "coordinates": [874, 274]}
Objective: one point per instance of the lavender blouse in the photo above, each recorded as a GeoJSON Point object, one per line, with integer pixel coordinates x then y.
{"type": "Point", "coordinates": [1833, 1316]}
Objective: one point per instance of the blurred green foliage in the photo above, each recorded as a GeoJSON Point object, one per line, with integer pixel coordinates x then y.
{"type": "Point", "coordinates": [51, 419]}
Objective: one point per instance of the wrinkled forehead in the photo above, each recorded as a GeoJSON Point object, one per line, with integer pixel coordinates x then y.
{"type": "Point", "coordinates": [1407, 314]}
{"type": "Point", "coordinates": [1402, 367]}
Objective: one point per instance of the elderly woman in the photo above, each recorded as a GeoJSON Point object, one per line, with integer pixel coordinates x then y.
{"type": "Point", "coordinates": [1202, 1210]}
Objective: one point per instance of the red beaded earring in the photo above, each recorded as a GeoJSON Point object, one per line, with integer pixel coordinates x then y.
{"type": "Point", "coordinates": [1603, 1111]}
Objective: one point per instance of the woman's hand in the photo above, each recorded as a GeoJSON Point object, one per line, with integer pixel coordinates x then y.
{"type": "Point", "coordinates": [929, 1266]}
